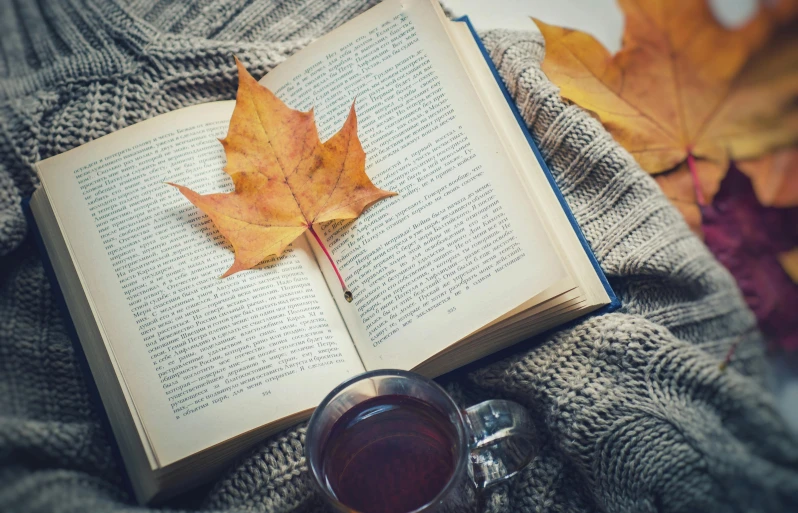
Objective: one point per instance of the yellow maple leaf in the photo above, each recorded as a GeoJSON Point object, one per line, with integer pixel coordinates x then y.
{"type": "Point", "coordinates": [285, 179]}
{"type": "Point", "coordinates": [683, 87]}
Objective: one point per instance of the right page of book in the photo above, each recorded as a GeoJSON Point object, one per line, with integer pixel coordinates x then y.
{"type": "Point", "coordinates": [462, 244]}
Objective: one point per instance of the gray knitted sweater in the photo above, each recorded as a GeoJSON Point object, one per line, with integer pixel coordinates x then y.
{"type": "Point", "coordinates": [632, 410]}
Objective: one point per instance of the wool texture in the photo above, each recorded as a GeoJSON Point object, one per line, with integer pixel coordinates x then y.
{"type": "Point", "coordinates": [631, 409]}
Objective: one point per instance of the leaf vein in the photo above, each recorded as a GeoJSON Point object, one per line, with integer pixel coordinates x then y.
{"type": "Point", "coordinates": [338, 180]}
{"type": "Point", "coordinates": [277, 158]}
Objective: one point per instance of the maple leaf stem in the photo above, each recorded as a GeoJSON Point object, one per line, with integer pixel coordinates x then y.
{"type": "Point", "coordinates": [699, 194]}
{"type": "Point", "coordinates": [347, 294]}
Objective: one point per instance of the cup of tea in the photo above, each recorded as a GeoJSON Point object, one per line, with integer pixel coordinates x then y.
{"type": "Point", "coordinates": [391, 441]}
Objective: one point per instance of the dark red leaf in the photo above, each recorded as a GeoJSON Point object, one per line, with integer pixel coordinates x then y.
{"type": "Point", "coordinates": [746, 237]}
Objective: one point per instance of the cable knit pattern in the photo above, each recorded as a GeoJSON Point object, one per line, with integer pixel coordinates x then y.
{"type": "Point", "coordinates": [632, 411]}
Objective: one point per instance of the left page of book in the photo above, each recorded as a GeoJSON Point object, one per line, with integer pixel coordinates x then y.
{"type": "Point", "coordinates": [205, 359]}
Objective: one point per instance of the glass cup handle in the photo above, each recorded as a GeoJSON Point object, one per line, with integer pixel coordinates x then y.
{"type": "Point", "coordinates": [501, 440]}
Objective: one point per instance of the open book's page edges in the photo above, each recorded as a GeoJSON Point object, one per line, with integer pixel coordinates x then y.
{"type": "Point", "coordinates": [615, 303]}
{"type": "Point", "coordinates": [80, 356]}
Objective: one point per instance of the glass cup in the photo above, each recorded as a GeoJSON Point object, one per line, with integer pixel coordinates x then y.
{"type": "Point", "coordinates": [492, 440]}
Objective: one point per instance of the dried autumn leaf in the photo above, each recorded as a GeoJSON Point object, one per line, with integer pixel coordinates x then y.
{"type": "Point", "coordinates": [285, 179]}
{"type": "Point", "coordinates": [774, 177]}
{"type": "Point", "coordinates": [683, 84]}
{"type": "Point", "coordinates": [751, 241]}
{"type": "Point", "coordinates": [679, 187]}
{"type": "Point", "coordinates": [789, 262]}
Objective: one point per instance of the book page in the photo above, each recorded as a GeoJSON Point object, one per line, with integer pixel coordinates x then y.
{"type": "Point", "coordinates": [204, 358]}
{"type": "Point", "coordinates": [462, 244]}
{"type": "Point", "coordinates": [526, 162]}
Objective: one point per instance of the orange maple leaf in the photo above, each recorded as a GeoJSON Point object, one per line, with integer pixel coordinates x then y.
{"type": "Point", "coordinates": [774, 177]}
{"type": "Point", "coordinates": [285, 179]}
{"type": "Point", "coordinates": [684, 90]}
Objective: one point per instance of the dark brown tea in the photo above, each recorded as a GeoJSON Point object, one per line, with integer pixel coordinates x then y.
{"type": "Point", "coordinates": [389, 454]}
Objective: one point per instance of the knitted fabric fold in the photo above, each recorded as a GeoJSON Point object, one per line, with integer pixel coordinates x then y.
{"type": "Point", "coordinates": [632, 411]}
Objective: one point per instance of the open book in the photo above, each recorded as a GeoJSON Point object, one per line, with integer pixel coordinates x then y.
{"type": "Point", "coordinates": [477, 251]}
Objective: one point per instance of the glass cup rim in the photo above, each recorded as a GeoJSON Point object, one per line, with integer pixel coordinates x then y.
{"type": "Point", "coordinates": [310, 437]}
